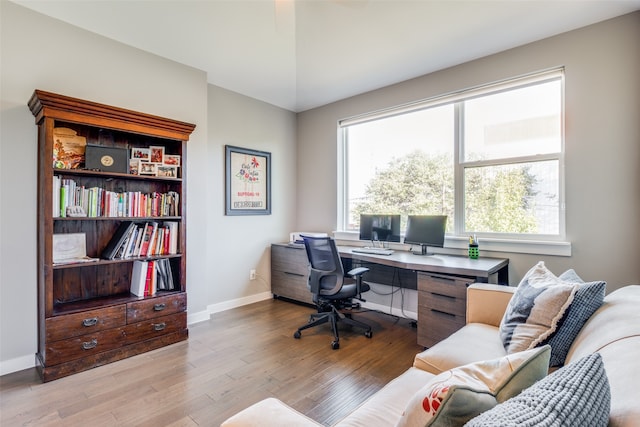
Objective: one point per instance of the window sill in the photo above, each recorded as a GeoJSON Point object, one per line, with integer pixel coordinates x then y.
{"type": "Point", "coordinates": [454, 245]}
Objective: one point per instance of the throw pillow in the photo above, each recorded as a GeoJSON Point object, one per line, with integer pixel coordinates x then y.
{"type": "Point", "coordinates": [535, 309]}
{"type": "Point", "coordinates": [587, 299]}
{"type": "Point", "coordinates": [455, 396]}
{"type": "Point", "coordinates": [575, 395]}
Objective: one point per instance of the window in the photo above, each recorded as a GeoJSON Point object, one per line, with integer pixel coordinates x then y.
{"type": "Point", "coordinates": [490, 158]}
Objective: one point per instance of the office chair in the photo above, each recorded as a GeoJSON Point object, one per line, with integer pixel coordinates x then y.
{"type": "Point", "coordinates": [331, 290]}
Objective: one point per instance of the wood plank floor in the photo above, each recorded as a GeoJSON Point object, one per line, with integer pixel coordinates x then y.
{"type": "Point", "coordinates": [235, 359]}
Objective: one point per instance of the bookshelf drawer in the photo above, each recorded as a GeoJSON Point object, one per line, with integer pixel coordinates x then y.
{"type": "Point", "coordinates": [155, 307]}
{"type": "Point", "coordinates": [83, 346]}
{"type": "Point", "coordinates": [73, 325]}
{"type": "Point", "coordinates": [155, 327]}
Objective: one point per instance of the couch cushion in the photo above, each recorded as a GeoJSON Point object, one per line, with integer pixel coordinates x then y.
{"type": "Point", "coordinates": [457, 395]}
{"type": "Point", "coordinates": [271, 409]}
{"type": "Point", "coordinates": [385, 407]}
{"type": "Point", "coordinates": [617, 318]}
{"type": "Point", "coordinates": [537, 306]}
{"type": "Point", "coordinates": [575, 395]}
{"type": "Point", "coordinates": [587, 299]}
{"type": "Point", "coordinates": [454, 351]}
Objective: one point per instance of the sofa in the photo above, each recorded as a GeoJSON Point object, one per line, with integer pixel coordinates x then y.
{"type": "Point", "coordinates": [610, 337]}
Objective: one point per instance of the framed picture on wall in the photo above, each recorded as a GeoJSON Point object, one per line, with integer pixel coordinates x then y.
{"type": "Point", "coordinates": [248, 181]}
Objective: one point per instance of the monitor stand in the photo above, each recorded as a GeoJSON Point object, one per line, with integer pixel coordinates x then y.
{"type": "Point", "coordinates": [423, 251]}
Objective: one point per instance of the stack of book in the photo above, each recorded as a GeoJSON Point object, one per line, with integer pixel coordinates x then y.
{"type": "Point", "coordinates": [142, 240]}
{"type": "Point", "coordinates": [98, 202]}
{"type": "Point", "coordinates": [148, 277]}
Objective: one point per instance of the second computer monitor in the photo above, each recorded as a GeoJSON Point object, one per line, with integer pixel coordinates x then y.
{"type": "Point", "coordinates": [425, 230]}
{"type": "Point", "coordinates": [380, 227]}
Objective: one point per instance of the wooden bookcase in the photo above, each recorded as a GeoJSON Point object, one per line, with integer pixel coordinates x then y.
{"type": "Point", "coordinates": [86, 315]}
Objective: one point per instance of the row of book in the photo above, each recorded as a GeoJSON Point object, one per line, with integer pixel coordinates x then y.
{"type": "Point", "coordinates": [148, 277]}
{"type": "Point", "coordinates": [142, 240]}
{"type": "Point", "coordinates": [98, 202]}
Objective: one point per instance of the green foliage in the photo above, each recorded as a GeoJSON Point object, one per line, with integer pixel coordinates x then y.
{"type": "Point", "coordinates": [497, 198]}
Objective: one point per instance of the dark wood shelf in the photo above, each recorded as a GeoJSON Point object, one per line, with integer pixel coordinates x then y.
{"type": "Point", "coordinates": [60, 309]}
{"type": "Point", "coordinates": [107, 175]}
{"type": "Point", "coordinates": [112, 261]}
{"type": "Point", "coordinates": [118, 218]}
{"type": "Point", "coordinates": [86, 314]}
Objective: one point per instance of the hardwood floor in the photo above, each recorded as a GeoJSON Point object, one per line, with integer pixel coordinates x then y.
{"type": "Point", "coordinates": [235, 359]}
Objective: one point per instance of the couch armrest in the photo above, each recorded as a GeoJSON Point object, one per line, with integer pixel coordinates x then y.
{"type": "Point", "coordinates": [486, 303]}
{"type": "Point", "coordinates": [269, 412]}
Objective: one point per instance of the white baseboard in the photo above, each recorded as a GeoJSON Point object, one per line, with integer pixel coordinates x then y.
{"type": "Point", "coordinates": [227, 305]}
{"type": "Point", "coordinates": [17, 364]}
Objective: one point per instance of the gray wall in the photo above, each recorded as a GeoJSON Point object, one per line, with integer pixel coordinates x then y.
{"type": "Point", "coordinates": [38, 52]}
{"type": "Point", "coordinates": [602, 143]}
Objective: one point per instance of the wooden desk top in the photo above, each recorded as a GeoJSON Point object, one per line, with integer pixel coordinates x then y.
{"type": "Point", "coordinates": [446, 264]}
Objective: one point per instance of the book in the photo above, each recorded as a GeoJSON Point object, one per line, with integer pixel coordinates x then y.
{"type": "Point", "coordinates": [146, 238]}
{"type": "Point", "coordinates": [110, 251]}
{"type": "Point", "coordinates": [139, 277]}
{"type": "Point", "coordinates": [172, 226]}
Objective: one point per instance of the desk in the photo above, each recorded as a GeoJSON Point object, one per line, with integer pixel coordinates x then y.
{"type": "Point", "coordinates": [491, 270]}
{"type": "Point", "coordinates": [440, 281]}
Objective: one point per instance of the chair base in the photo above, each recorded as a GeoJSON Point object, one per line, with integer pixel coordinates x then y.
{"type": "Point", "coordinates": [330, 314]}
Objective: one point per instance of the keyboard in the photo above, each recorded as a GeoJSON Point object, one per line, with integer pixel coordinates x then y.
{"type": "Point", "coordinates": [373, 251]}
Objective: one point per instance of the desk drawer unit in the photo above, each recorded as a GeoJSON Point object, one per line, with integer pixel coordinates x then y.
{"type": "Point", "coordinates": [442, 301]}
{"type": "Point", "coordinates": [290, 272]}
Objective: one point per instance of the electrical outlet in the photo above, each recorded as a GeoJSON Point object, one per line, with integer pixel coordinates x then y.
{"type": "Point", "coordinates": [252, 275]}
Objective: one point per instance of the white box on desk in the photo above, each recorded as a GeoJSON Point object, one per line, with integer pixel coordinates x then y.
{"type": "Point", "coordinates": [296, 236]}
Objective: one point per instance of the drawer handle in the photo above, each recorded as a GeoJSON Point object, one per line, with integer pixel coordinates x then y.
{"type": "Point", "coordinates": [442, 295]}
{"type": "Point", "coordinates": [159, 326]}
{"type": "Point", "coordinates": [442, 312]}
{"type": "Point", "coordinates": [90, 322]}
{"type": "Point", "coordinates": [159, 307]}
{"type": "Point", "coordinates": [293, 274]}
{"type": "Point", "coordinates": [90, 344]}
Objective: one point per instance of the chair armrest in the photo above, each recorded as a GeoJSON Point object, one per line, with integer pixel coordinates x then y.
{"type": "Point", "coordinates": [358, 271]}
{"type": "Point", "coordinates": [486, 303]}
{"type": "Point", "coordinates": [269, 412]}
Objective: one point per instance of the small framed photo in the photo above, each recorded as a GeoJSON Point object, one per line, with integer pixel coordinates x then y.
{"type": "Point", "coordinates": [140, 154]}
{"type": "Point", "coordinates": [134, 166]}
{"type": "Point", "coordinates": [147, 168]}
{"type": "Point", "coordinates": [167, 171]}
{"type": "Point", "coordinates": [172, 159]}
{"type": "Point", "coordinates": [157, 154]}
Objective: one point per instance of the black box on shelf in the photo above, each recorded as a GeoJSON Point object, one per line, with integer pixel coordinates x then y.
{"type": "Point", "coordinates": [107, 159]}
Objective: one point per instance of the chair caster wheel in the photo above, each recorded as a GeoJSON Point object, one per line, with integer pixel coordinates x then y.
{"type": "Point", "coordinates": [297, 335]}
{"type": "Point", "coordinates": [335, 345]}
{"type": "Point", "coordinates": [368, 334]}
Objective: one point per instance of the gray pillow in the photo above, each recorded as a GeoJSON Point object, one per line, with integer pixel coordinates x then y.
{"type": "Point", "coordinates": [575, 395]}
{"type": "Point", "coordinates": [536, 308]}
{"type": "Point", "coordinates": [587, 299]}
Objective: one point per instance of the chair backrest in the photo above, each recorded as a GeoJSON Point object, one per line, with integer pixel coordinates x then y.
{"type": "Point", "coordinates": [326, 274]}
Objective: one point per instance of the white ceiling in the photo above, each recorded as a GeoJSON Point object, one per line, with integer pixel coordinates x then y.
{"type": "Point", "coordinates": [300, 54]}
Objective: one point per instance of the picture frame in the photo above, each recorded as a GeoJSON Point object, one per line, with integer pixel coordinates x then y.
{"type": "Point", "coordinates": [134, 166]}
{"type": "Point", "coordinates": [172, 159]}
{"type": "Point", "coordinates": [147, 168]}
{"type": "Point", "coordinates": [142, 154]}
{"type": "Point", "coordinates": [248, 181]}
{"type": "Point", "coordinates": [167, 171]}
{"type": "Point", "coordinates": [156, 154]}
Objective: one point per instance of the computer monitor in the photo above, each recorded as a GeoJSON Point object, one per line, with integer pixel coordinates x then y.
{"type": "Point", "coordinates": [380, 227]}
{"type": "Point", "coordinates": [425, 230]}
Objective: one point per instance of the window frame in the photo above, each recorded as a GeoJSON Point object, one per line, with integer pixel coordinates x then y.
{"type": "Point", "coordinates": [504, 242]}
